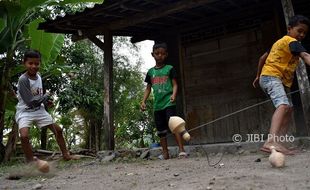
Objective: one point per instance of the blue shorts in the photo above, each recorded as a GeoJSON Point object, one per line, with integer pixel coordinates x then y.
{"type": "Point", "coordinates": [275, 89]}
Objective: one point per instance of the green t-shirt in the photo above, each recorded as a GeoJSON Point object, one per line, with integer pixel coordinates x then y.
{"type": "Point", "coordinates": [161, 81]}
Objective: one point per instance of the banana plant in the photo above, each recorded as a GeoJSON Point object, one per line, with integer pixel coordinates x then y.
{"type": "Point", "coordinates": [16, 27]}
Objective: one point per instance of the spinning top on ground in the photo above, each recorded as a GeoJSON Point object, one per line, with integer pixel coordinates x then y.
{"type": "Point", "coordinates": [43, 166]}
{"type": "Point", "coordinates": [177, 125]}
{"type": "Point", "coordinates": [276, 159]}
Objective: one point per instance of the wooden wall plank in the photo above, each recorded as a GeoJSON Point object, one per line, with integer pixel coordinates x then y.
{"type": "Point", "coordinates": [218, 81]}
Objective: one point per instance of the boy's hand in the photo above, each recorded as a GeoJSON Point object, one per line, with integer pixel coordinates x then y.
{"type": "Point", "coordinates": [172, 98]}
{"type": "Point", "coordinates": [48, 93]}
{"type": "Point", "coordinates": [49, 103]}
{"type": "Point", "coordinates": [143, 106]}
{"type": "Point", "coordinates": [255, 82]}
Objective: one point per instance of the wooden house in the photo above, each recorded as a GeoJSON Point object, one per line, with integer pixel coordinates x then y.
{"type": "Point", "coordinates": [214, 45]}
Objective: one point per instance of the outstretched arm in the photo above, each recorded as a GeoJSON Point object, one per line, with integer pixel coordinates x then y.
{"type": "Point", "coordinates": [261, 63]}
{"type": "Point", "coordinates": [306, 57]}
{"type": "Point", "coordinates": [146, 95]}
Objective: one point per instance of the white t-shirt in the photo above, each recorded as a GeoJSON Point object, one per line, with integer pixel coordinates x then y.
{"type": "Point", "coordinates": [30, 94]}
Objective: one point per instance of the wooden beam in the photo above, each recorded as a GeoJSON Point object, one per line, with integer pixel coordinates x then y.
{"type": "Point", "coordinates": [220, 19]}
{"type": "Point", "coordinates": [146, 16]}
{"type": "Point", "coordinates": [108, 123]}
{"type": "Point", "coordinates": [199, 15]}
{"type": "Point", "coordinates": [131, 8]}
{"type": "Point", "coordinates": [156, 2]}
{"type": "Point", "coordinates": [207, 22]}
{"type": "Point", "coordinates": [233, 4]}
{"type": "Point", "coordinates": [96, 41]}
{"type": "Point", "coordinates": [179, 18]}
{"type": "Point", "coordinates": [301, 71]}
{"type": "Point", "coordinates": [214, 9]}
{"type": "Point", "coordinates": [153, 14]}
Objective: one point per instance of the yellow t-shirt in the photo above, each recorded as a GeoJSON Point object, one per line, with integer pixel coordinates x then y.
{"type": "Point", "coordinates": [281, 62]}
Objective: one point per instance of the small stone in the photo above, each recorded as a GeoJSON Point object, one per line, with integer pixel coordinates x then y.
{"type": "Point", "coordinates": [253, 151]}
{"type": "Point", "coordinates": [258, 160]}
{"type": "Point", "coordinates": [171, 185]}
{"type": "Point", "coordinates": [109, 157]}
{"type": "Point", "coordinates": [209, 188]}
{"type": "Point", "coordinates": [145, 154]}
{"type": "Point", "coordinates": [176, 174]}
{"type": "Point", "coordinates": [37, 186]}
{"type": "Point", "coordinates": [241, 151]}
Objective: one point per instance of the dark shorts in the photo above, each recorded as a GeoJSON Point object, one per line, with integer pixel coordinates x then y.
{"type": "Point", "coordinates": [162, 118]}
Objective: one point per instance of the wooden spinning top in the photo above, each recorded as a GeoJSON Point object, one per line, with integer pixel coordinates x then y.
{"type": "Point", "coordinates": [177, 125]}
{"type": "Point", "coordinates": [42, 165]}
{"type": "Point", "coordinates": [276, 159]}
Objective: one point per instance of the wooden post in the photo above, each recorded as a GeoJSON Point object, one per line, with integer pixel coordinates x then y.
{"type": "Point", "coordinates": [108, 123]}
{"type": "Point", "coordinates": [301, 72]}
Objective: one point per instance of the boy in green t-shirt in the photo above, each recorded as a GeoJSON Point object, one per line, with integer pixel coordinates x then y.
{"type": "Point", "coordinates": [162, 79]}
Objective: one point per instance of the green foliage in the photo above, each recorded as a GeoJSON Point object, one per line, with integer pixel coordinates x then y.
{"type": "Point", "coordinates": [133, 127]}
{"type": "Point", "coordinates": [40, 39]}
{"type": "Point", "coordinates": [2, 23]}
{"type": "Point", "coordinates": [76, 77]}
{"type": "Point", "coordinates": [80, 93]}
{"type": "Point", "coordinates": [18, 24]}
{"type": "Point", "coordinates": [83, 94]}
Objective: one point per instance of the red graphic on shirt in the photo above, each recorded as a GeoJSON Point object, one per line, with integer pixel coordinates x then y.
{"type": "Point", "coordinates": [159, 80]}
{"type": "Point", "coordinates": [37, 91]}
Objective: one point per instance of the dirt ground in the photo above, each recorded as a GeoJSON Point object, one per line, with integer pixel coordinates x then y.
{"type": "Point", "coordinates": [235, 171]}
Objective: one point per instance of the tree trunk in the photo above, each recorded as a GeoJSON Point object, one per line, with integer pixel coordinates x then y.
{"type": "Point", "coordinates": [11, 144]}
{"type": "Point", "coordinates": [92, 136]}
{"type": "Point", "coordinates": [3, 95]}
{"type": "Point", "coordinates": [44, 138]}
{"type": "Point", "coordinates": [98, 135]}
{"type": "Point", "coordinates": [2, 152]}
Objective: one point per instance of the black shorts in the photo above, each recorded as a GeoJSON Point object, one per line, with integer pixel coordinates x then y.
{"type": "Point", "coordinates": [162, 118]}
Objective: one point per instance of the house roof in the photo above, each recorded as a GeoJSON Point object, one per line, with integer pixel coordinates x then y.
{"type": "Point", "coordinates": [144, 19]}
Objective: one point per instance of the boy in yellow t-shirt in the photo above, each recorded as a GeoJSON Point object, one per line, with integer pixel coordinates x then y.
{"type": "Point", "coordinates": [275, 76]}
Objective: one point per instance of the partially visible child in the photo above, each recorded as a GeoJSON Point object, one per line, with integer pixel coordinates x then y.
{"type": "Point", "coordinates": [30, 109]}
{"type": "Point", "coordinates": [275, 76]}
{"type": "Point", "coordinates": [162, 79]}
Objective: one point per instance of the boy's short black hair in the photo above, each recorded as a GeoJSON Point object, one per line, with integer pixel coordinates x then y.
{"type": "Point", "coordinates": [298, 19]}
{"type": "Point", "coordinates": [160, 45]}
{"type": "Point", "coordinates": [31, 54]}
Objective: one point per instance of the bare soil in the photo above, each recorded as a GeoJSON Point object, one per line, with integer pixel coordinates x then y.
{"type": "Point", "coordinates": [235, 171]}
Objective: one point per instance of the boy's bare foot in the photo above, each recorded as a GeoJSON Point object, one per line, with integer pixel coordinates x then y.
{"type": "Point", "coordinates": [279, 148]}
{"type": "Point", "coordinates": [71, 157]}
{"type": "Point", "coordinates": [166, 155]}
{"type": "Point", "coordinates": [182, 155]}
